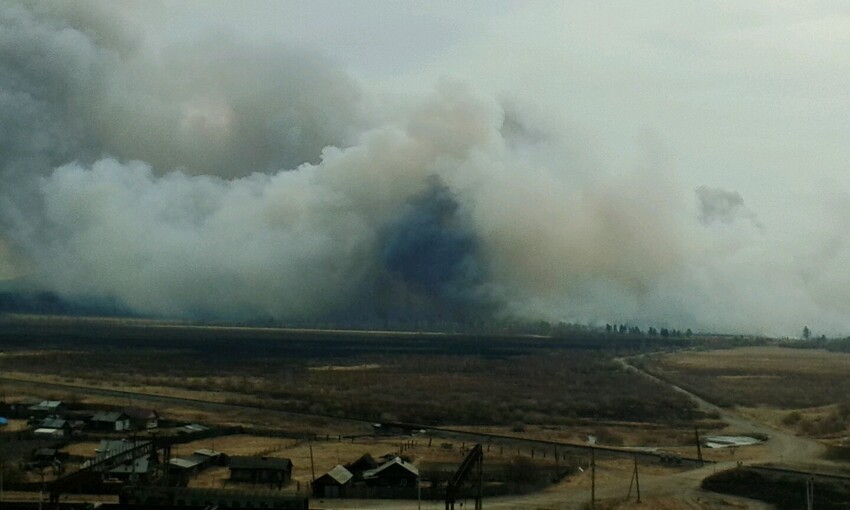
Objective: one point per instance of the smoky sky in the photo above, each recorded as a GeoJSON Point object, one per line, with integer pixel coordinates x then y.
{"type": "Point", "coordinates": [215, 163]}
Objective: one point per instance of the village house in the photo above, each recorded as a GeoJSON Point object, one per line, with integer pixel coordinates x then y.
{"type": "Point", "coordinates": [265, 470]}
{"type": "Point", "coordinates": [142, 419]}
{"type": "Point", "coordinates": [333, 484]}
{"type": "Point", "coordinates": [364, 463]}
{"type": "Point", "coordinates": [187, 467]}
{"type": "Point", "coordinates": [115, 421]}
{"type": "Point", "coordinates": [48, 408]}
{"type": "Point", "coordinates": [394, 473]}
{"type": "Point", "coordinates": [53, 427]}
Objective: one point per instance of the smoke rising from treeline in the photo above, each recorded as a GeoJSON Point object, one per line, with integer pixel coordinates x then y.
{"type": "Point", "coordinates": [224, 179]}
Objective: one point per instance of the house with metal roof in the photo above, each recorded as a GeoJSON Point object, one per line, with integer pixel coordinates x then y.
{"type": "Point", "coordinates": [53, 427]}
{"type": "Point", "coordinates": [333, 484]}
{"type": "Point", "coordinates": [394, 473]}
{"type": "Point", "coordinates": [142, 419]}
{"type": "Point", "coordinates": [48, 407]}
{"type": "Point", "coordinates": [110, 420]}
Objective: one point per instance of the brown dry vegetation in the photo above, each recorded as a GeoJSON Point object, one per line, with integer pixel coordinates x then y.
{"type": "Point", "coordinates": [754, 376]}
{"type": "Point", "coordinates": [803, 390]}
{"type": "Point", "coordinates": [552, 387]}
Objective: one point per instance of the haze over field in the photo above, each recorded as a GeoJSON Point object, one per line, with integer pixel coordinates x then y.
{"type": "Point", "coordinates": [668, 163]}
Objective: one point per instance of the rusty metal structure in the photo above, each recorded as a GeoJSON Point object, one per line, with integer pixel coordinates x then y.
{"type": "Point", "coordinates": [471, 469]}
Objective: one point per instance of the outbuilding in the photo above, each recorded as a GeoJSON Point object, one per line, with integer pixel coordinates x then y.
{"type": "Point", "coordinates": [142, 419]}
{"type": "Point", "coordinates": [394, 473]}
{"type": "Point", "coordinates": [53, 427]}
{"type": "Point", "coordinates": [333, 484]}
{"type": "Point", "coordinates": [260, 470]}
{"type": "Point", "coordinates": [116, 421]}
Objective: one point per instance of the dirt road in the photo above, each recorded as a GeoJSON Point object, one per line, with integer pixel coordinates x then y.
{"type": "Point", "coordinates": [783, 448]}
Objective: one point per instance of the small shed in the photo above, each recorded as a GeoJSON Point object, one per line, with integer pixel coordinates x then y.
{"type": "Point", "coordinates": [213, 458]}
{"type": "Point", "coordinates": [260, 470]}
{"type": "Point", "coordinates": [48, 408]}
{"type": "Point", "coordinates": [395, 473]}
{"type": "Point", "coordinates": [142, 419]}
{"type": "Point", "coordinates": [188, 466]}
{"type": "Point", "coordinates": [110, 420]}
{"type": "Point", "coordinates": [53, 427]}
{"type": "Point", "coordinates": [333, 484]}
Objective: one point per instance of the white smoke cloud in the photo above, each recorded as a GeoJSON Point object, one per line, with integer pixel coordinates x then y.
{"type": "Point", "coordinates": [223, 178]}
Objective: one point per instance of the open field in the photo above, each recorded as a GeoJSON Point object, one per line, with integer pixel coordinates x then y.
{"type": "Point", "coordinates": [531, 389]}
{"type": "Point", "coordinates": [806, 391]}
{"type": "Point", "coordinates": [428, 378]}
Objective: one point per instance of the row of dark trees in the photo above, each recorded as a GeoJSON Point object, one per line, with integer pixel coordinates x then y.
{"type": "Point", "coordinates": [623, 329]}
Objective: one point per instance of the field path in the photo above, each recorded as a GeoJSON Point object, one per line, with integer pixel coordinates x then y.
{"type": "Point", "coordinates": [783, 447]}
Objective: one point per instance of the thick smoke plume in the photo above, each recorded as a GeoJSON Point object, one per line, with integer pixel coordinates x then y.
{"type": "Point", "coordinates": [221, 179]}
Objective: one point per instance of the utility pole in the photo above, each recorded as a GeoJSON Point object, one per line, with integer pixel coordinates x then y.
{"type": "Point", "coordinates": [592, 478]}
{"type": "Point", "coordinates": [810, 493]}
{"type": "Point", "coordinates": [635, 481]}
{"type": "Point", "coordinates": [699, 447]}
{"type": "Point", "coordinates": [312, 467]}
{"type": "Point", "coordinates": [557, 465]}
{"type": "Point", "coordinates": [479, 501]}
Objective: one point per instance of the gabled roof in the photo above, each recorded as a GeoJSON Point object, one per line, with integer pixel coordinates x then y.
{"type": "Point", "coordinates": [260, 463]}
{"type": "Point", "coordinates": [363, 463]}
{"type": "Point", "coordinates": [48, 404]}
{"type": "Point", "coordinates": [339, 474]}
{"type": "Point", "coordinates": [53, 423]}
{"type": "Point", "coordinates": [109, 416]}
{"type": "Point", "coordinates": [373, 473]}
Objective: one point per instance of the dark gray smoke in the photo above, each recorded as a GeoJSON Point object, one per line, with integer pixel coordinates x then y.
{"type": "Point", "coordinates": [433, 253]}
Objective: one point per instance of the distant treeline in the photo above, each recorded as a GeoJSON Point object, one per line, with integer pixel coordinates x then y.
{"type": "Point", "coordinates": [52, 304]}
{"type": "Point", "coordinates": [49, 303]}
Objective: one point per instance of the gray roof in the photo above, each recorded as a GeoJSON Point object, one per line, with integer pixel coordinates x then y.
{"type": "Point", "coordinates": [109, 416]}
{"type": "Point", "coordinates": [54, 423]}
{"type": "Point", "coordinates": [339, 474]}
{"type": "Point", "coordinates": [188, 462]}
{"type": "Point", "coordinates": [395, 462]}
{"type": "Point", "coordinates": [260, 463]}
{"type": "Point", "coordinates": [47, 404]}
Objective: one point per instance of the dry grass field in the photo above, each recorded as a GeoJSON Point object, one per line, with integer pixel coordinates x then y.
{"type": "Point", "coordinates": [802, 390]}
{"type": "Point", "coordinates": [522, 384]}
